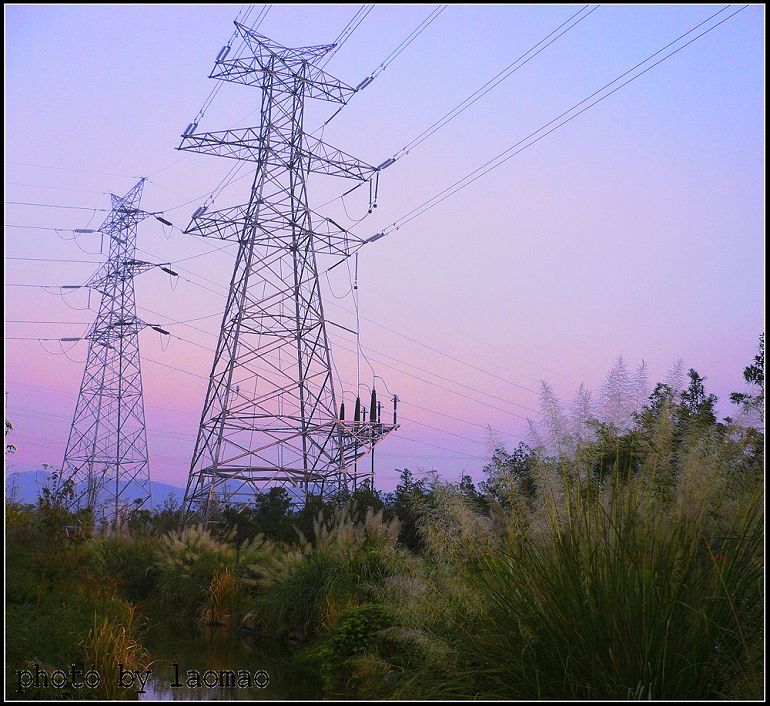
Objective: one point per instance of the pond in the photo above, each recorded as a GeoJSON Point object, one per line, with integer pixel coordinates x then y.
{"type": "Point", "coordinates": [222, 664]}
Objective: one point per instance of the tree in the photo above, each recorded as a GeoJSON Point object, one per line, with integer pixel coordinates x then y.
{"type": "Point", "coordinates": [754, 375]}
{"type": "Point", "coordinates": [696, 407]}
{"type": "Point", "coordinates": [405, 504]}
{"type": "Point", "coordinates": [364, 497]}
{"type": "Point", "coordinates": [9, 448]}
{"type": "Point", "coordinates": [510, 474]}
{"type": "Point", "coordinates": [473, 496]}
{"type": "Point", "coordinates": [270, 516]}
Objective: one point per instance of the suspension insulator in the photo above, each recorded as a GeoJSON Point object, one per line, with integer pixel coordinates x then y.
{"type": "Point", "coordinates": [395, 410]}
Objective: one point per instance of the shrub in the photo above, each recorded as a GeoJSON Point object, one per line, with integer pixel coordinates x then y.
{"type": "Point", "coordinates": [130, 561]}
{"type": "Point", "coordinates": [606, 602]}
{"type": "Point", "coordinates": [305, 590]}
{"type": "Point", "coordinates": [221, 598]}
{"type": "Point", "coordinates": [187, 561]}
{"type": "Point", "coordinates": [112, 642]}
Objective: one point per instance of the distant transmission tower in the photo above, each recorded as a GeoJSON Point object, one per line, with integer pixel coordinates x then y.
{"type": "Point", "coordinates": [270, 415]}
{"type": "Point", "coordinates": [106, 455]}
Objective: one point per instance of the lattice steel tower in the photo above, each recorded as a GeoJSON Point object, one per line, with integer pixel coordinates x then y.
{"type": "Point", "coordinates": [106, 454]}
{"type": "Point", "coordinates": [270, 416]}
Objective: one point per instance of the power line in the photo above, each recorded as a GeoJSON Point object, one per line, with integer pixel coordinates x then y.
{"type": "Point", "coordinates": [39, 414]}
{"type": "Point", "coordinates": [482, 392]}
{"type": "Point", "coordinates": [49, 391]}
{"type": "Point", "coordinates": [45, 259]}
{"type": "Point", "coordinates": [398, 333]}
{"type": "Point", "coordinates": [54, 205]}
{"type": "Point", "coordinates": [443, 448]}
{"type": "Point", "coordinates": [12, 225]}
{"type": "Point", "coordinates": [447, 355]}
{"type": "Point", "coordinates": [493, 82]}
{"type": "Point", "coordinates": [214, 91]}
{"type": "Point", "coordinates": [447, 389]}
{"type": "Point", "coordinates": [65, 323]}
{"type": "Point", "coordinates": [403, 362]}
{"type": "Point", "coordinates": [56, 188]}
{"type": "Point", "coordinates": [473, 337]}
{"type": "Point", "coordinates": [476, 95]}
{"type": "Point", "coordinates": [188, 372]}
{"type": "Point", "coordinates": [29, 338]}
{"type": "Point", "coordinates": [443, 431]}
{"type": "Point", "coordinates": [403, 401]}
{"type": "Point", "coordinates": [406, 42]}
{"type": "Point", "coordinates": [386, 62]}
{"type": "Point", "coordinates": [394, 331]}
{"type": "Point", "coordinates": [347, 32]}
{"type": "Point", "coordinates": [70, 169]}
{"type": "Point", "coordinates": [173, 367]}
{"type": "Point", "coordinates": [486, 427]}
{"type": "Point", "coordinates": [511, 152]}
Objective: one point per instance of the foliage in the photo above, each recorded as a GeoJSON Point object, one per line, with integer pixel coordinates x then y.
{"type": "Point", "coordinates": [221, 598]}
{"type": "Point", "coordinates": [130, 561]}
{"type": "Point", "coordinates": [55, 593]}
{"type": "Point", "coordinates": [270, 516]}
{"type": "Point", "coordinates": [112, 642]}
{"type": "Point", "coordinates": [305, 590]}
{"type": "Point", "coordinates": [187, 560]}
{"type": "Point", "coordinates": [350, 663]}
{"type": "Point", "coordinates": [620, 556]}
{"type": "Point", "coordinates": [633, 569]}
{"type": "Point", "coordinates": [754, 375]}
{"type": "Point", "coordinates": [404, 504]}
{"type": "Point", "coordinates": [510, 475]}
{"type": "Point", "coordinates": [9, 448]}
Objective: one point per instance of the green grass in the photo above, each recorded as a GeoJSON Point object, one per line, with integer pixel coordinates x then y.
{"type": "Point", "coordinates": [606, 603]}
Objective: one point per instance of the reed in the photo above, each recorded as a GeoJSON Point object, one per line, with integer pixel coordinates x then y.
{"type": "Point", "coordinates": [112, 642]}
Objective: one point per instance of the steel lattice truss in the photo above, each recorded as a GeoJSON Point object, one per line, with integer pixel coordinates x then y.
{"type": "Point", "coordinates": [270, 417]}
{"type": "Point", "coordinates": [106, 455]}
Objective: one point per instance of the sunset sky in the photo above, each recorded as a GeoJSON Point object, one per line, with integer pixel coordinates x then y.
{"type": "Point", "coordinates": [637, 229]}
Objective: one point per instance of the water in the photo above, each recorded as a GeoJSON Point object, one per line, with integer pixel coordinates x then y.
{"type": "Point", "coordinates": [218, 649]}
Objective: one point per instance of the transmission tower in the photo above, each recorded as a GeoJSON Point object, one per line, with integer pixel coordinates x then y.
{"type": "Point", "coordinates": [270, 416]}
{"type": "Point", "coordinates": [106, 455]}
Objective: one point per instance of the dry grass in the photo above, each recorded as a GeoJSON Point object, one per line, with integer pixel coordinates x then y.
{"type": "Point", "coordinates": [112, 642]}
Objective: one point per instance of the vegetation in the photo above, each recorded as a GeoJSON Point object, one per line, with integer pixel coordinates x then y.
{"type": "Point", "coordinates": [616, 555]}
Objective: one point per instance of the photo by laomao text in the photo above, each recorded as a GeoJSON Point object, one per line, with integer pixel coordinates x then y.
{"type": "Point", "coordinates": [130, 679]}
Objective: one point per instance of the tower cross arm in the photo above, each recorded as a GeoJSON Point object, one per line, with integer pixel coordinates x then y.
{"type": "Point", "coordinates": [247, 144]}
{"type": "Point", "coordinates": [285, 75]}
{"type": "Point", "coordinates": [123, 269]}
{"type": "Point", "coordinates": [260, 43]}
{"type": "Point", "coordinates": [325, 159]}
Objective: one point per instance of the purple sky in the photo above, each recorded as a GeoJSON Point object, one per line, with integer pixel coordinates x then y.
{"type": "Point", "coordinates": [635, 230]}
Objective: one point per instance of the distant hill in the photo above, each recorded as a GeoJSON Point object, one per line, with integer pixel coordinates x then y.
{"type": "Point", "coordinates": [25, 487]}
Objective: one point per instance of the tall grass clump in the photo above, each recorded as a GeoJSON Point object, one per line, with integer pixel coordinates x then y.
{"type": "Point", "coordinates": [206, 575]}
{"type": "Point", "coordinates": [129, 561]}
{"type": "Point", "coordinates": [112, 642]}
{"type": "Point", "coordinates": [221, 598]}
{"type": "Point", "coordinates": [629, 564]}
{"type": "Point", "coordinates": [606, 602]}
{"type": "Point", "coordinates": [615, 607]}
{"type": "Point", "coordinates": [187, 561]}
{"type": "Point", "coordinates": [303, 591]}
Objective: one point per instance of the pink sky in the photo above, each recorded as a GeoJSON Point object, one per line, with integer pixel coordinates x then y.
{"type": "Point", "coordinates": [636, 230]}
